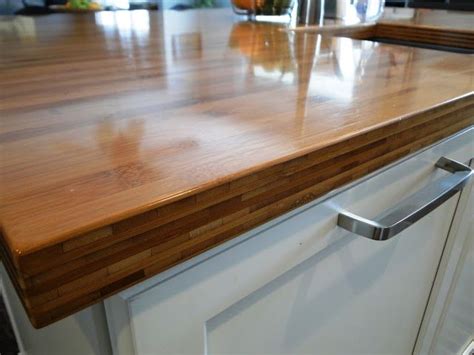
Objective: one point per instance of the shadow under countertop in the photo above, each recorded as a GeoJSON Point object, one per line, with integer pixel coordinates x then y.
{"type": "Point", "coordinates": [8, 344]}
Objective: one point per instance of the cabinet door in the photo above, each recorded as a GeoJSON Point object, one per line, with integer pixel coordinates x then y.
{"type": "Point", "coordinates": [456, 329]}
{"type": "Point", "coordinates": [448, 324]}
{"type": "Point", "coordinates": [301, 284]}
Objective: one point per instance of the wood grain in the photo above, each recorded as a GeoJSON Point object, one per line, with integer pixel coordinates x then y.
{"type": "Point", "coordinates": [426, 35]}
{"type": "Point", "coordinates": [439, 27]}
{"type": "Point", "coordinates": [127, 150]}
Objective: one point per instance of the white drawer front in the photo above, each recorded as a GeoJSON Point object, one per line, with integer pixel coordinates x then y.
{"type": "Point", "coordinates": [302, 285]}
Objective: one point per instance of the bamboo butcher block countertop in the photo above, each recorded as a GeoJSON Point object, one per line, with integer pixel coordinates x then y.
{"type": "Point", "coordinates": [131, 141]}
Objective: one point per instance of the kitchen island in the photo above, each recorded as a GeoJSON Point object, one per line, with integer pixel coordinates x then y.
{"type": "Point", "coordinates": [137, 146]}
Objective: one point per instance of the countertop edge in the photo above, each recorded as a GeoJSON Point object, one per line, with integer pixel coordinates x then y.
{"type": "Point", "coordinates": [154, 247]}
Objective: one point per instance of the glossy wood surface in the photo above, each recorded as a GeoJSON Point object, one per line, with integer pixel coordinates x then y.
{"type": "Point", "coordinates": [131, 141]}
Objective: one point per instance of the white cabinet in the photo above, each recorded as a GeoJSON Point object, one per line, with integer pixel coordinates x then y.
{"type": "Point", "coordinates": [359, 295]}
{"type": "Point", "coordinates": [456, 328]}
{"type": "Point", "coordinates": [79, 334]}
{"type": "Point", "coordinates": [448, 326]}
{"type": "Point", "coordinates": [300, 284]}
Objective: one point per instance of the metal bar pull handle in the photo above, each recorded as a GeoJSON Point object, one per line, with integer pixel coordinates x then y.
{"type": "Point", "coordinates": [412, 209]}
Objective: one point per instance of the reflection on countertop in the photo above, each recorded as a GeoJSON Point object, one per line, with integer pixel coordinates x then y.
{"type": "Point", "coordinates": [20, 27]}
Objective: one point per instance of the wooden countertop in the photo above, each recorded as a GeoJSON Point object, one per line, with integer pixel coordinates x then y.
{"type": "Point", "coordinates": [440, 19]}
{"type": "Point", "coordinates": [131, 141]}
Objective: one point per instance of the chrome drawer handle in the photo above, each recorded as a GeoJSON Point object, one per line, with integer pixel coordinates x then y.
{"type": "Point", "coordinates": [413, 208]}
